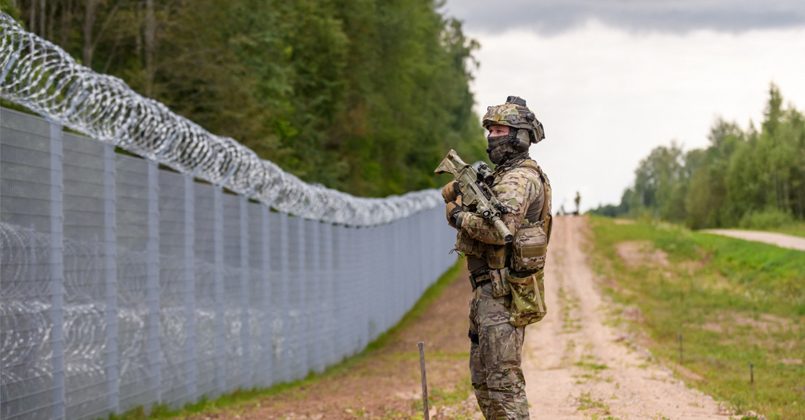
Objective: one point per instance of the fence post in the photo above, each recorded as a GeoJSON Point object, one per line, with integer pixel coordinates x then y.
{"type": "Point", "coordinates": [363, 304]}
{"type": "Point", "coordinates": [267, 310]}
{"type": "Point", "coordinates": [297, 286]}
{"type": "Point", "coordinates": [218, 290]}
{"type": "Point", "coordinates": [110, 276]}
{"type": "Point", "coordinates": [282, 282]}
{"type": "Point", "coordinates": [315, 297]}
{"type": "Point", "coordinates": [337, 265]}
{"type": "Point", "coordinates": [402, 247]}
{"type": "Point", "coordinates": [152, 281]}
{"type": "Point", "coordinates": [328, 278]}
{"type": "Point", "coordinates": [422, 259]}
{"type": "Point", "coordinates": [433, 243]}
{"type": "Point", "coordinates": [395, 274]}
{"type": "Point", "coordinates": [189, 279]}
{"type": "Point", "coordinates": [352, 288]}
{"type": "Point", "coordinates": [413, 272]}
{"type": "Point", "coordinates": [381, 278]}
{"type": "Point", "coordinates": [247, 367]}
{"type": "Point", "coordinates": [400, 264]}
{"type": "Point", "coordinates": [57, 267]}
{"type": "Point", "coordinates": [364, 234]}
{"type": "Point", "coordinates": [376, 282]}
{"type": "Point", "coordinates": [345, 283]}
{"type": "Point", "coordinates": [383, 281]}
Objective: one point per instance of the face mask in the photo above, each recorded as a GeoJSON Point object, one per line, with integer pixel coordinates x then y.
{"type": "Point", "coordinates": [500, 147]}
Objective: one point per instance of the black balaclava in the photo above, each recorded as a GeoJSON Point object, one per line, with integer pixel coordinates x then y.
{"type": "Point", "coordinates": [512, 146]}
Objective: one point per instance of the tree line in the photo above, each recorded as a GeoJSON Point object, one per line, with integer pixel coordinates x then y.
{"type": "Point", "coordinates": [365, 96]}
{"type": "Point", "coordinates": [752, 177]}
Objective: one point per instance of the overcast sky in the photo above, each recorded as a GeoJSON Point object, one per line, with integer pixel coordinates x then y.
{"type": "Point", "coordinates": [610, 80]}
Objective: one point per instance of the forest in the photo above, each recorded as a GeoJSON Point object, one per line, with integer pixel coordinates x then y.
{"type": "Point", "coordinates": [365, 96]}
{"type": "Point", "coordinates": [753, 177]}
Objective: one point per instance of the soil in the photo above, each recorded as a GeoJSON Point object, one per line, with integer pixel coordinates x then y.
{"type": "Point", "coordinates": [779, 239]}
{"type": "Point", "coordinates": [576, 364]}
{"type": "Point", "coordinates": [386, 382]}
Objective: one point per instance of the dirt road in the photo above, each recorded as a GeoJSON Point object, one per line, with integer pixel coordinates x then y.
{"type": "Point", "coordinates": [779, 239]}
{"type": "Point", "coordinates": [577, 366]}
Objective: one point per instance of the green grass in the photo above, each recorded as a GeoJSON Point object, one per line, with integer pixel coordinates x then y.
{"type": "Point", "coordinates": [734, 303]}
{"type": "Point", "coordinates": [587, 402]}
{"type": "Point", "coordinates": [440, 397]}
{"type": "Point", "coordinates": [795, 229]}
{"type": "Point", "coordinates": [239, 397]}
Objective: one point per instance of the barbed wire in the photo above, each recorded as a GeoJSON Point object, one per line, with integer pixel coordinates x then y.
{"type": "Point", "coordinates": [41, 76]}
{"type": "Point", "coordinates": [26, 307]}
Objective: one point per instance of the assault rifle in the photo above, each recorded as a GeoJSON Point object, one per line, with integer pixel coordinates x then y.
{"type": "Point", "coordinates": [476, 193]}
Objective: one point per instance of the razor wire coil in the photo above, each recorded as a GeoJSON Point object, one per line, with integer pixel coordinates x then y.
{"type": "Point", "coordinates": [43, 77]}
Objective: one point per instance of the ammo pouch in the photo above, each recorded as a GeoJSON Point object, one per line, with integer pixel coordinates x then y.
{"type": "Point", "coordinates": [495, 256]}
{"type": "Point", "coordinates": [529, 248]}
{"type": "Point", "coordinates": [528, 303]}
{"type": "Point", "coordinates": [500, 283]}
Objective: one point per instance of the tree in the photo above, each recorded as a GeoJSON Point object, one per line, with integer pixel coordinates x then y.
{"type": "Point", "coordinates": [742, 176]}
{"type": "Point", "coordinates": [362, 95]}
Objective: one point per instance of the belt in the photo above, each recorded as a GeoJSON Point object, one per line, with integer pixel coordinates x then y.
{"type": "Point", "coordinates": [479, 279]}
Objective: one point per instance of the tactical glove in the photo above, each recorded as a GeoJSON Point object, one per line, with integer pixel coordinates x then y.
{"type": "Point", "coordinates": [452, 209]}
{"type": "Point", "coordinates": [450, 192]}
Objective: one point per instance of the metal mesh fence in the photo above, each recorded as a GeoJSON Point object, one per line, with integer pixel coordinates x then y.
{"type": "Point", "coordinates": [123, 284]}
{"type": "Point", "coordinates": [41, 76]}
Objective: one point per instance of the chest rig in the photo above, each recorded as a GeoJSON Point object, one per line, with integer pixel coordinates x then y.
{"type": "Point", "coordinates": [538, 214]}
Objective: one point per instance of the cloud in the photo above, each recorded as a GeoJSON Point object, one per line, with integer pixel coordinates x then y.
{"type": "Point", "coordinates": [607, 96]}
{"type": "Point", "coordinates": [551, 17]}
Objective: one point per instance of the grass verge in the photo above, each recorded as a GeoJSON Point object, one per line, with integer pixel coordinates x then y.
{"type": "Point", "coordinates": [240, 397]}
{"type": "Point", "coordinates": [710, 307]}
{"type": "Point", "coordinates": [794, 229]}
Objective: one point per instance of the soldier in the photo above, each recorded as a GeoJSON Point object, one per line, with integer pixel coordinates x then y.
{"type": "Point", "coordinates": [496, 332]}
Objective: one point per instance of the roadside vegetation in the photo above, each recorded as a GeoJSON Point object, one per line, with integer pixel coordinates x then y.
{"type": "Point", "coordinates": [728, 316]}
{"type": "Point", "coordinates": [795, 229]}
{"type": "Point", "coordinates": [752, 178]}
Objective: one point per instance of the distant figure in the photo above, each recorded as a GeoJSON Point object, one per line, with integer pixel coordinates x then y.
{"type": "Point", "coordinates": [507, 279]}
{"type": "Point", "coordinates": [562, 210]}
{"type": "Point", "coordinates": [577, 200]}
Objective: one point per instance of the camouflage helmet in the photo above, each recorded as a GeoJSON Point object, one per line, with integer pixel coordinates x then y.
{"type": "Point", "coordinates": [514, 113]}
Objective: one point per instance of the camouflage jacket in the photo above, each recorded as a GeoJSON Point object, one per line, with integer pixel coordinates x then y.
{"type": "Point", "coordinates": [517, 186]}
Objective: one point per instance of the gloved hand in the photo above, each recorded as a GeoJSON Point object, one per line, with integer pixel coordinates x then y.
{"type": "Point", "coordinates": [450, 191]}
{"type": "Point", "coordinates": [452, 209]}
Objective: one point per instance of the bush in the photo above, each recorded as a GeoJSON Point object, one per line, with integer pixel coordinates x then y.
{"type": "Point", "coordinates": [765, 219]}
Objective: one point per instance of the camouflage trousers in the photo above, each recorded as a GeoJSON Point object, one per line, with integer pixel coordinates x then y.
{"type": "Point", "coordinates": [495, 356]}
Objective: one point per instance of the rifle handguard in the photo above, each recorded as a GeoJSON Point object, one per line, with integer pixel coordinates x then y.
{"type": "Point", "coordinates": [503, 230]}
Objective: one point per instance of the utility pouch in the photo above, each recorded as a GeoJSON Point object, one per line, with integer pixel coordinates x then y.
{"type": "Point", "coordinates": [496, 257]}
{"type": "Point", "coordinates": [468, 246]}
{"type": "Point", "coordinates": [528, 303]}
{"type": "Point", "coordinates": [500, 286]}
{"type": "Point", "coordinates": [529, 248]}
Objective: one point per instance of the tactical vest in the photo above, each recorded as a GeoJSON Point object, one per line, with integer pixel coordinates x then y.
{"type": "Point", "coordinates": [525, 276]}
{"type": "Point", "coordinates": [496, 256]}
{"type": "Point", "coordinates": [530, 245]}
{"type": "Point", "coordinates": [542, 213]}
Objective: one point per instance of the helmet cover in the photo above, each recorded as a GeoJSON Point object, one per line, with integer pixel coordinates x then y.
{"type": "Point", "coordinates": [514, 113]}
